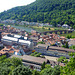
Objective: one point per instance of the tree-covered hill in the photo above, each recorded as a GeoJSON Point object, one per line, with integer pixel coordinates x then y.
{"type": "Point", "coordinates": [51, 11]}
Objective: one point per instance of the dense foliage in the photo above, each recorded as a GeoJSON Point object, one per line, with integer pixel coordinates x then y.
{"type": "Point", "coordinates": [50, 11]}
{"type": "Point", "coordinates": [14, 67]}
{"type": "Point", "coordinates": [48, 70]}
{"type": "Point", "coordinates": [36, 54]}
{"type": "Point", "coordinates": [72, 47]}
{"type": "Point", "coordinates": [22, 70]}
{"type": "Point", "coordinates": [8, 65]}
{"type": "Point", "coordinates": [70, 36]}
{"type": "Point", "coordinates": [66, 45]}
{"type": "Point", "coordinates": [69, 68]}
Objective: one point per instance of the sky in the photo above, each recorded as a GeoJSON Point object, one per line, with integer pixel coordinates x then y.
{"type": "Point", "coordinates": [8, 4]}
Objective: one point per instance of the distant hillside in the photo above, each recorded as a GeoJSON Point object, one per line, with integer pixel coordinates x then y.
{"type": "Point", "coordinates": [51, 11]}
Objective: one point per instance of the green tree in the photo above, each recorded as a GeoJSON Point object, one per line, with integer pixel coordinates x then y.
{"type": "Point", "coordinates": [48, 28]}
{"type": "Point", "coordinates": [62, 59]}
{"type": "Point", "coordinates": [69, 36]}
{"type": "Point", "coordinates": [35, 72]}
{"type": "Point", "coordinates": [4, 70]}
{"type": "Point", "coordinates": [69, 68]}
{"type": "Point", "coordinates": [72, 47]}
{"type": "Point", "coordinates": [43, 65]}
{"type": "Point", "coordinates": [7, 65]}
{"type": "Point", "coordinates": [66, 45]}
{"type": "Point", "coordinates": [48, 70]}
{"type": "Point", "coordinates": [74, 26]}
{"type": "Point", "coordinates": [2, 58]}
{"type": "Point", "coordinates": [21, 70]}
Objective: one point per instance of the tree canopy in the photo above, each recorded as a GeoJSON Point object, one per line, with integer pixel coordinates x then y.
{"type": "Point", "coordinates": [22, 70]}
{"type": "Point", "coordinates": [14, 66]}
{"type": "Point", "coordinates": [47, 11]}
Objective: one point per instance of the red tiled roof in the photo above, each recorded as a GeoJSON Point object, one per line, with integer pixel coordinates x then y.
{"type": "Point", "coordinates": [2, 52]}
{"type": "Point", "coordinates": [16, 50]}
{"type": "Point", "coordinates": [5, 49]}
{"type": "Point", "coordinates": [11, 52]}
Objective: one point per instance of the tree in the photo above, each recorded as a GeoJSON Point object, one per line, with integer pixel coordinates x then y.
{"type": "Point", "coordinates": [35, 72]}
{"type": "Point", "coordinates": [69, 36]}
{"type": "Point", "coordinates": [21, 70]}
{"type": "Point", "coordinates": [4, 70]}
{"type": "Point", "coordinates": [41, 42]}
{"type": "Point", "coordinates": [16, 61]}
{"type": "Point", "coordinates": [74, 26]}
{"type": "Point", "coordinates": [48, 70]}
{"type": "Point", "coordinates": [72, 47]}
{"type": "Point", "coordinates": [43, 65]}
{"type": "Point", "coordinates": [2, 58]}
{"type": "Point", "coordinates": [69, 68]}
{"type": "Point", "coordinates": [66, 45]}
{"type": "Point", "coordinates": [56, 70]}
{"type": "Point", "coordinates": [48, 28]}
{"type": "Point", "coordinates": [61, 59]}
{"type": "Point", "coordinates": [7, 65]}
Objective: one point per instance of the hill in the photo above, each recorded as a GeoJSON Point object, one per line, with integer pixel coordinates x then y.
{"type": "Point", "coordinates": [51, 11]}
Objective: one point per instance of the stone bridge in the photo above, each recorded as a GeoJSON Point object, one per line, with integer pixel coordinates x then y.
{"type": "Point", "coordinates": [57, 32]}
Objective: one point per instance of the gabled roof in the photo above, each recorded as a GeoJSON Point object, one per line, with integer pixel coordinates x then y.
{"type": "Point", "coordinates": [31, 58]}
{"type": "Point", "coordinates": [2, 52]}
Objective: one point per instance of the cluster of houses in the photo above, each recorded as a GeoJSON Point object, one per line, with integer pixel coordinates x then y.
{"type": "Point", "coordinates": [16, 39]}
{"type": "Point", "coordinates": [64, 26]}
{"type": "Point", "coordinates": [15, 44]}
{"type": "Point", "coordinates": [8, 30]}
{"type": "Point", "coordinates": [18, 43]}
{"type": "Point", "coordinates": [51, 39]}
{"type": "Point", "coordinates": [52, 44]}
{"type": "Point", "coordinates": [8, 21]}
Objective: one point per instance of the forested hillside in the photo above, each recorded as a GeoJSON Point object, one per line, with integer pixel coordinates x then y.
{"type": "Point", "coordinates": [51, 11]}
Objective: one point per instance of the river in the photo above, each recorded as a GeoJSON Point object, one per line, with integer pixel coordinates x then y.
{"type": "Point", "coordinates": [28, 29]}
{"type": "Point", "coordinates": [23, 28]}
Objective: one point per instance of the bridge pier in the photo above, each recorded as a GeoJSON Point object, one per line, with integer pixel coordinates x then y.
{"type": "Point", "coordinates": [65, 32]}
{"type": "Point", "coordinates": [60, 32]}
{"type": "Point", "coordinates": [56, 32]}
{"type": "Point", "coordinates": [69, 31]}
{"type": "Point", "coordinates": [45, 33]}
{"type": "Point", "coordinates": [50, 32]}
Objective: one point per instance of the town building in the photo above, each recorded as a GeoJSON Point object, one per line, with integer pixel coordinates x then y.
{"type": "Point", "coordinates": [11, 39]}
{"type": "Point", "coordinates": [34, 62]}
{"type": "Point", "coordinates": [65, 26]}
{"type": "Point", "coordinates": [71, 42]}
{"type": "Point", "coordinates": [53, 50]}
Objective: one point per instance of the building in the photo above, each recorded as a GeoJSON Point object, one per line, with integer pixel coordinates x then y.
{"type": "Point", "coordinates": [71, 42]}
{"type": "Point", "coordinates": [65, 26]}
{"type": "Point", "coordinates": [53, 50]}
{"type": "Point", "coordinates": [11, 39]}
{"type": "Point", "coordinates": [58, 25]}
{"type": "Point", "coordinates": [34, 62]}
{"type": "Point", "coordinates": [3, 53]}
